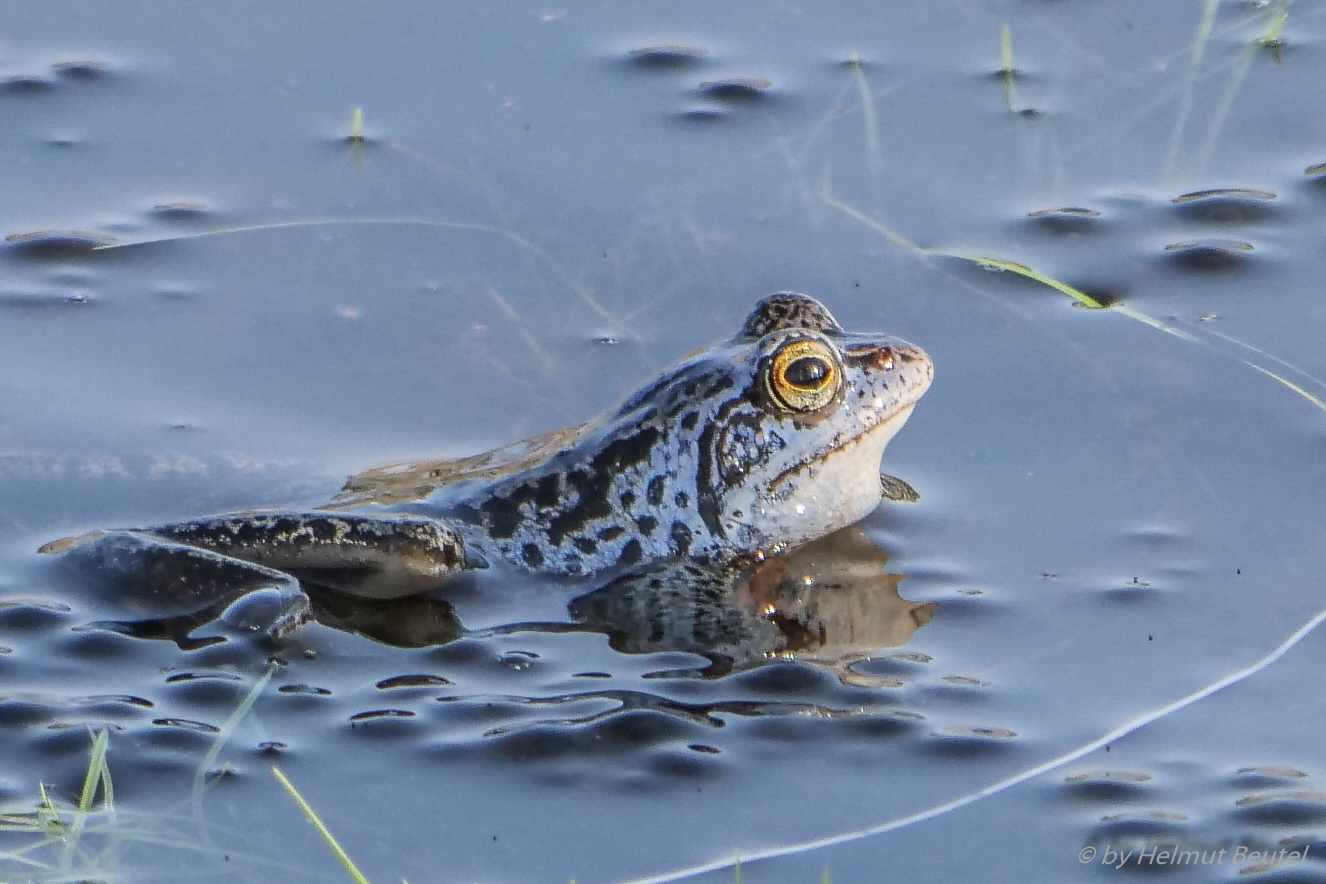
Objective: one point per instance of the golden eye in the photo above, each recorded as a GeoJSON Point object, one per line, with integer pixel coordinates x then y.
{"type": "Point", "coordinates": [804, 376]}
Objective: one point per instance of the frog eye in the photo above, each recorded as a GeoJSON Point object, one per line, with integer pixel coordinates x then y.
{"type": "Point", "coordinates": [804, 375]}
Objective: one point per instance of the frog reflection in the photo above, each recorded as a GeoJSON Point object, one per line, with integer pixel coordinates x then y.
{"type": "Point", "coordinates": [830, 601]}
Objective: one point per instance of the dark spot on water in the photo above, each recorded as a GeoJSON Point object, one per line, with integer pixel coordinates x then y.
{"type": "Point", "coordinates": [18, 713]}
{"type": "Point", "coordinates": [675, 765]}
{"type": "Point", "coordinates": [654, 493]}
{"type": "Point", "coordinates": [1108, 787]}
{"type": "Point", "coordinates": [1225, 207]}
{"type": "Point", "coordinates": [187, 724]}
{"type": "Point", "coordinates": [631, 553]}
{"type": "Point", "coordinates": [1265, 777]}
{"type": "Point", "coordinates": [646, 524]}
{"type": "Point", "coordinates": [31, 617]}
{"type": "Point", "coordinates": [304, 690]}
{"type": "Point", "coordinates": [879, 727]}
{"type": "Point", "coordinates": [384, 724]}
{"type": "Point", "coordinates": [537, 744]}
{"type": "Point", "coordinates": [412, 681]}
{"type": "Point", "coordinates": [1210, 256]}
{"type": "Point", "coordinates": [380, 713]}
{"type": "Point", "coordinates": [51, 245]}
{"type": "Point", "coordinates": [737, 90]}
{"type": "Point", "coordinates": [784, 679]}
{"type": "Point", "coordinates": [703, 113]}
{"type": "Point", "coordinates": [669, 57]}
{"type": "Point", "coordinates": [1299, 808]}
{"type": "Point", "coordinates": [98, 645]}
{"type": "Point", "coordinates": [969, 743]}
{"type": "Point", "coordinates": [1103, 294]}
{"type": "Point", "coordinates": [181, 212]}
{"type": "Point", "coordinates": [25, 84]}
{"type": "Point", "coordinates": [1072, 221]}
{"type": "Point", "coordinates": [532, 555]}
{"type": "Point", "coordinates": [221, 695]}
{"type": "Point", "coordinates": [81, 69]}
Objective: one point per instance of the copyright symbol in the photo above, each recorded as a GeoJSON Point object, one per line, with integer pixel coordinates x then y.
{"type": "Point", "coordinates": [1086, 854]}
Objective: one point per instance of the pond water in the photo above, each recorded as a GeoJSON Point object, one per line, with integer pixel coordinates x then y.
{"type": "Point", "coordinates": [549, 203]}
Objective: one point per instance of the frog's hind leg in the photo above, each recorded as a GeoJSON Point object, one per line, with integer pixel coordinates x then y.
{"type": "Point", "coordinates": [377, 558]}
{"type": "Point", "coordinates": [179, 585]}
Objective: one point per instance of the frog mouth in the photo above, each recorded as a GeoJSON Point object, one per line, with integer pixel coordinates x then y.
{"type": "Point", "coordinates": [877, 436]}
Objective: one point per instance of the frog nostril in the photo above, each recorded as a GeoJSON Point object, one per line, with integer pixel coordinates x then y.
{"type": "Point", "coordinates": [883, 359]}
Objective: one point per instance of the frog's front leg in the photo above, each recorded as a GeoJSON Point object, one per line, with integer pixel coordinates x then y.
{"type": "Point", "coordinates": [376, 558]}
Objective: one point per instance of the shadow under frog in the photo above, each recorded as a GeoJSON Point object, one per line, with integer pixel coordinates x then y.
{"type": "Point", "coordinates": [690, 513]}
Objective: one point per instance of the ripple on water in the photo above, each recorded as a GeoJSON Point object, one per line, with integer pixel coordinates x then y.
{"type": "Point", "coordinates": [1226, 207]}
{"type": "Point", "coordinates": [1108, 787]}
{"type": "Point", "coordinates": [30, 617]}
{"type": "Point", "coordinates": [1210, 255]}
{"type": "Point", "coordinates": [970, 742]}
{"type": "Point", "coordinates": [1067, 221]}
{"type": "Point", "coordinates": [736, 90]}
{"type": "Point", "coordinates": [666, 57]}
{"type": "Point", "coordinates": [56, 245]}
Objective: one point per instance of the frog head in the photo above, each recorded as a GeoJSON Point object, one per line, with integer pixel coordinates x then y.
{"type": "Point", "coordinates": [791, 450]}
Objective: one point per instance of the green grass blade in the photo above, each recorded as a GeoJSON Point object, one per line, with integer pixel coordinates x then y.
{"type": "Point", "coordinates": [326, 834]}
{"type": "Point", "coordinates": [96, 771]}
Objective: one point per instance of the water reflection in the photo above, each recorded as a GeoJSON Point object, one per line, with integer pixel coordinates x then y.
{"type": "Point", "coordinates": [830, 601]}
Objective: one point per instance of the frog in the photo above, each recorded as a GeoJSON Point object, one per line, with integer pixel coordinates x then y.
{"type": "Point", "coordinates": [739, 452]}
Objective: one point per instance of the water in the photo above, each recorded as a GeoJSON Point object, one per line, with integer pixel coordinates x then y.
{"type": "Point", "coordinates": [550, 205]}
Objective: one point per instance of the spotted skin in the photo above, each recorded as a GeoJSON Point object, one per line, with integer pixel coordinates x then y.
{"type": "Point", "coordinates": [755, 445]}
{"type": "Point", "coordinates": [700, 463]}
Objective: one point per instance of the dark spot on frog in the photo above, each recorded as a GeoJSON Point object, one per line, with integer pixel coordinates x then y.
{"type": "Point", "coordinates": [586, 545]}
{"type": "Point", "coordinates": [592, 487]}
{"type": "Point", "coordinates": [631, 553]}
{"type": "Point", "coordinates": [654, 493]}
{"type": "Point", "coordinates": [611, 534]}
{"type": "Point", "coordinates": [548, 492]}
{"type": "Point", "coordinates": [502, 516]}
{"type": "Point", "coordinates": [646, 524]}
{"type": "Point", "coordinates": [628, 500]}
{"type": "Point", "coordinates": [689, 420]}
{"type": "Point", "coordinates": [532, 556]}
{"type": "Point", "coordinates": [681, 537]}
{"type": "Point", "coordinates": [682, 500]}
